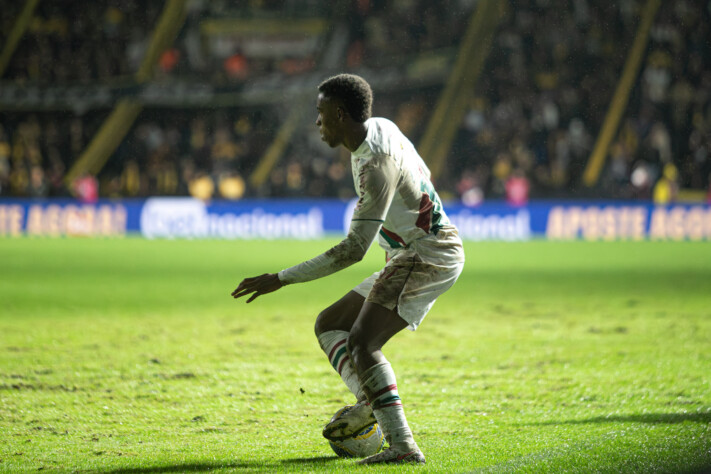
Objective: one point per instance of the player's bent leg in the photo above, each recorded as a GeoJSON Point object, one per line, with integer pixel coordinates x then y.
{"type": "Point", "coordinates": [341, 315]}
{"type": "Point", "coordinates": [364, 346]}
{"type": "Point", "coordinates": [375, 326]}
{"type": "Point", "coordinates": [332, 329]}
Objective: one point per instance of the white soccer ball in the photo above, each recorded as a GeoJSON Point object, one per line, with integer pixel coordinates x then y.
{"type": "Point", "coordinates": [364, 444]}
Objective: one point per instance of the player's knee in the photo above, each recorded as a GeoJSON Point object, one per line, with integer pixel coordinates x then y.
{"type": "Point", "coordinates": [324, 322]}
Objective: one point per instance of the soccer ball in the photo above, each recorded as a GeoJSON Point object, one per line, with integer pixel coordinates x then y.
{"type": "Point", "coordinates": [364, 444]}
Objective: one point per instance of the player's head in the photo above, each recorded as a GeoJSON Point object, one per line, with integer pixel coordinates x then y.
{"type": "Point", "coordinates": [343, 100]}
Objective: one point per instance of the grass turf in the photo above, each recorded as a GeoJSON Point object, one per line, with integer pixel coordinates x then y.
{"type": "Point", "coordinates": [127, 355]}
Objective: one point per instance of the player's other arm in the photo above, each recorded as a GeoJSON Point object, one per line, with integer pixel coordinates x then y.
{"type": "Point", "coordinates": [377, 181]}
{"type": "Point", "coordinates": [350, 250]}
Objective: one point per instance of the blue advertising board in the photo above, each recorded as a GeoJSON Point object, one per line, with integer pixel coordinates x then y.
{"type": "Point", "coordinates": [311, 219]}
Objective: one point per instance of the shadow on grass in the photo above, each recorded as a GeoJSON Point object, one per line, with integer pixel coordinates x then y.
{"type": "Point", "coordinates": [190, 467]}
{"type": "Point", "coordinates": [202, 467]}
{"type": "Point", "coordinates": [315, 460]}
{"type": "Point", "coordinates": [649, 418]}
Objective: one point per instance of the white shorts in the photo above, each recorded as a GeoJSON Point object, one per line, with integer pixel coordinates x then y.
{"type": "Point", "coordinates": [410, 284]}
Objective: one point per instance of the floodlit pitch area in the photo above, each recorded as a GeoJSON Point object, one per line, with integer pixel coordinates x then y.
{"type": "Point", "coordinates": [127, 355]}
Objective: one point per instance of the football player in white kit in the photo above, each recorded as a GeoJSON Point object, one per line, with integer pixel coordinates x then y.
{"type": "Point", "coordinates": [398, 205]}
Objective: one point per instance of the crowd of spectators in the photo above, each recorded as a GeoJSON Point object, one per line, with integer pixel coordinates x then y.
{"type": "Point", "coordinates": [82, 42]}
{"type": "Point", "coordinates": [548, 84]}
{"type": "Point", "coordinates": [206, 153]}
{"type": "Point", "coordinates": [37, 149]}
{"type": "Point", "coordinates": [381, 31]}
{"type": "Point", "coordinates": [664, 142]}
{"type": "Point", "coordinates": [542, 97]}
{"type": "Point", "coordinates": [529, 131]}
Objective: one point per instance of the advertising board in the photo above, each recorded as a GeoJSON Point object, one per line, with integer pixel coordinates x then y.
{"type": "Point", "coordinates": [174, 218]}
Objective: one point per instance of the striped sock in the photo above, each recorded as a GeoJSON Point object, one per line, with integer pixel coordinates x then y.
{"type": "Point", "coordinates": [333, 344]}
{"type": "Point", "coordinates": [381, 389]}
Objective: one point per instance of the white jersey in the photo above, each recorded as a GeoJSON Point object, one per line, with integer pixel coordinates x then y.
{"type": "Point", "coordinates": [393, 186]}
{"type": "Point", "coordinates": [396, 200]}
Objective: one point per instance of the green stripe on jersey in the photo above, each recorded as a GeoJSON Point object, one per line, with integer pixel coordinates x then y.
{"type": "Point", "coordinates": [393, 243]}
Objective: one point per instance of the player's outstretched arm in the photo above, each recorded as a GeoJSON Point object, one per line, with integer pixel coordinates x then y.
{"type": "Point", "coordinates": [260, 285]}
{"type": "Point", "coordinates": [378, 180]}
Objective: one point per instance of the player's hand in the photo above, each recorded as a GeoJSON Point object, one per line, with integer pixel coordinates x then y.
{"type": "Point", "coordinates": [260, 285]}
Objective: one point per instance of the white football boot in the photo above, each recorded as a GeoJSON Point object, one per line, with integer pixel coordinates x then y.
{"type": "Point", "coordinates": [394, 455]}
{"type": "Point", "coordinates": [352, 421]}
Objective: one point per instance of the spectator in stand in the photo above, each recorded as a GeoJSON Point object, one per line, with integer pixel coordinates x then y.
{"type": "Point", "coordinates": [37, 184]}
{"type": "Point", "coordinates": [86, 188]}
{"type": "Point", "coordinates": [469, 188]}
{"type": "Point", "coordinates": [5, 167]}
{"type": "Point", "coordinates": [517, 188]}
{"type": "Point", "coordinates": [666, 189]}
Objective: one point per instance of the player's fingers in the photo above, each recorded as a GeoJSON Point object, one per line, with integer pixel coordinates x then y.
{"type": "Point", "coordinates": [245, 284]}
{"type": "Point", "coordinates": [241, 293]}
{"type": "Point", "coordinates": [254, 296]}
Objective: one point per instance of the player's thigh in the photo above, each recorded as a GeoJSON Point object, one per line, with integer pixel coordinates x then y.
{"type": "Point", "coordinates": [341, 315]}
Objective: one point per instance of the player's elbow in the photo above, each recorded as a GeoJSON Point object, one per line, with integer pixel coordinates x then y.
{"type": "Point", "coordinates": [352, 258]}
{"type": "Point", "coordinates": [358, 254]}
{"type": "Point", "coordinates": [347, 253]}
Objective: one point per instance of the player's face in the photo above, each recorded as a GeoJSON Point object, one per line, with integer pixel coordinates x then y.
{"type": "Point", "coordinates": [329, 121]}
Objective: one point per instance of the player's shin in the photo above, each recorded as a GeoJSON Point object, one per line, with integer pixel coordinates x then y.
{"type": "Point", "coordinates": [380, 387]}
{"type": "Point", "coordinates": [334, 344]}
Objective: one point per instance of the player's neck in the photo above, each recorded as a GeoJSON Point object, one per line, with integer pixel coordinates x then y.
{"type": "Point", "coordinates": [355, 136]}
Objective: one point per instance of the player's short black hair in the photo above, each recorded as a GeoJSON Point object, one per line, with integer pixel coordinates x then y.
{"type": "Point", "coordinates": [353, 91]}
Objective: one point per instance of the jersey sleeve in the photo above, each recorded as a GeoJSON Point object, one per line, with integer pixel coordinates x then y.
{"type": "Point", "coordinates": [377, 182]}
{"type": "Point", "coordinates": [350, 250]}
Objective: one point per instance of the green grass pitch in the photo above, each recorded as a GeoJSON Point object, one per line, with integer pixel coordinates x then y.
{"type": "Point", "coordinates": [128, 355]}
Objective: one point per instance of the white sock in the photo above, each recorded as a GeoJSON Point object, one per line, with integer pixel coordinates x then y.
{"type": "Point", "coordinates": [333, 344]}
{"type": "Point", "coordinates": [380, 387]}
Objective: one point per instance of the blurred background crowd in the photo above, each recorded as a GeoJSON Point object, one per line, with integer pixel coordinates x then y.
{"type": "Point", "coordinates": [530, 126]}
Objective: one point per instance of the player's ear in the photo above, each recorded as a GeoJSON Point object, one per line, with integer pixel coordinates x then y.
{"type": "Point", "coordinates": [341, 113]}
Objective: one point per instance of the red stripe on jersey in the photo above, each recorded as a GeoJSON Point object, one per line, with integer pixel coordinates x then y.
{"type": "Point", "coordinates": [333, 351]}
{"type": "Point", "coordinates": [394, 236]}
{"type": "Point", "coordinates": [423, 220]}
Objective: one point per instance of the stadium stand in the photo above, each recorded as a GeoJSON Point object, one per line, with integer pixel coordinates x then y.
{"type": "Point", "coordinates": [666, 135]}
{"type": "Point", "coordinates": [223, 93]}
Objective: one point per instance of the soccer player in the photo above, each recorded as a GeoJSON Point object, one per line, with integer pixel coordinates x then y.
{"type": "Point", "coordinates": [397, 204]}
